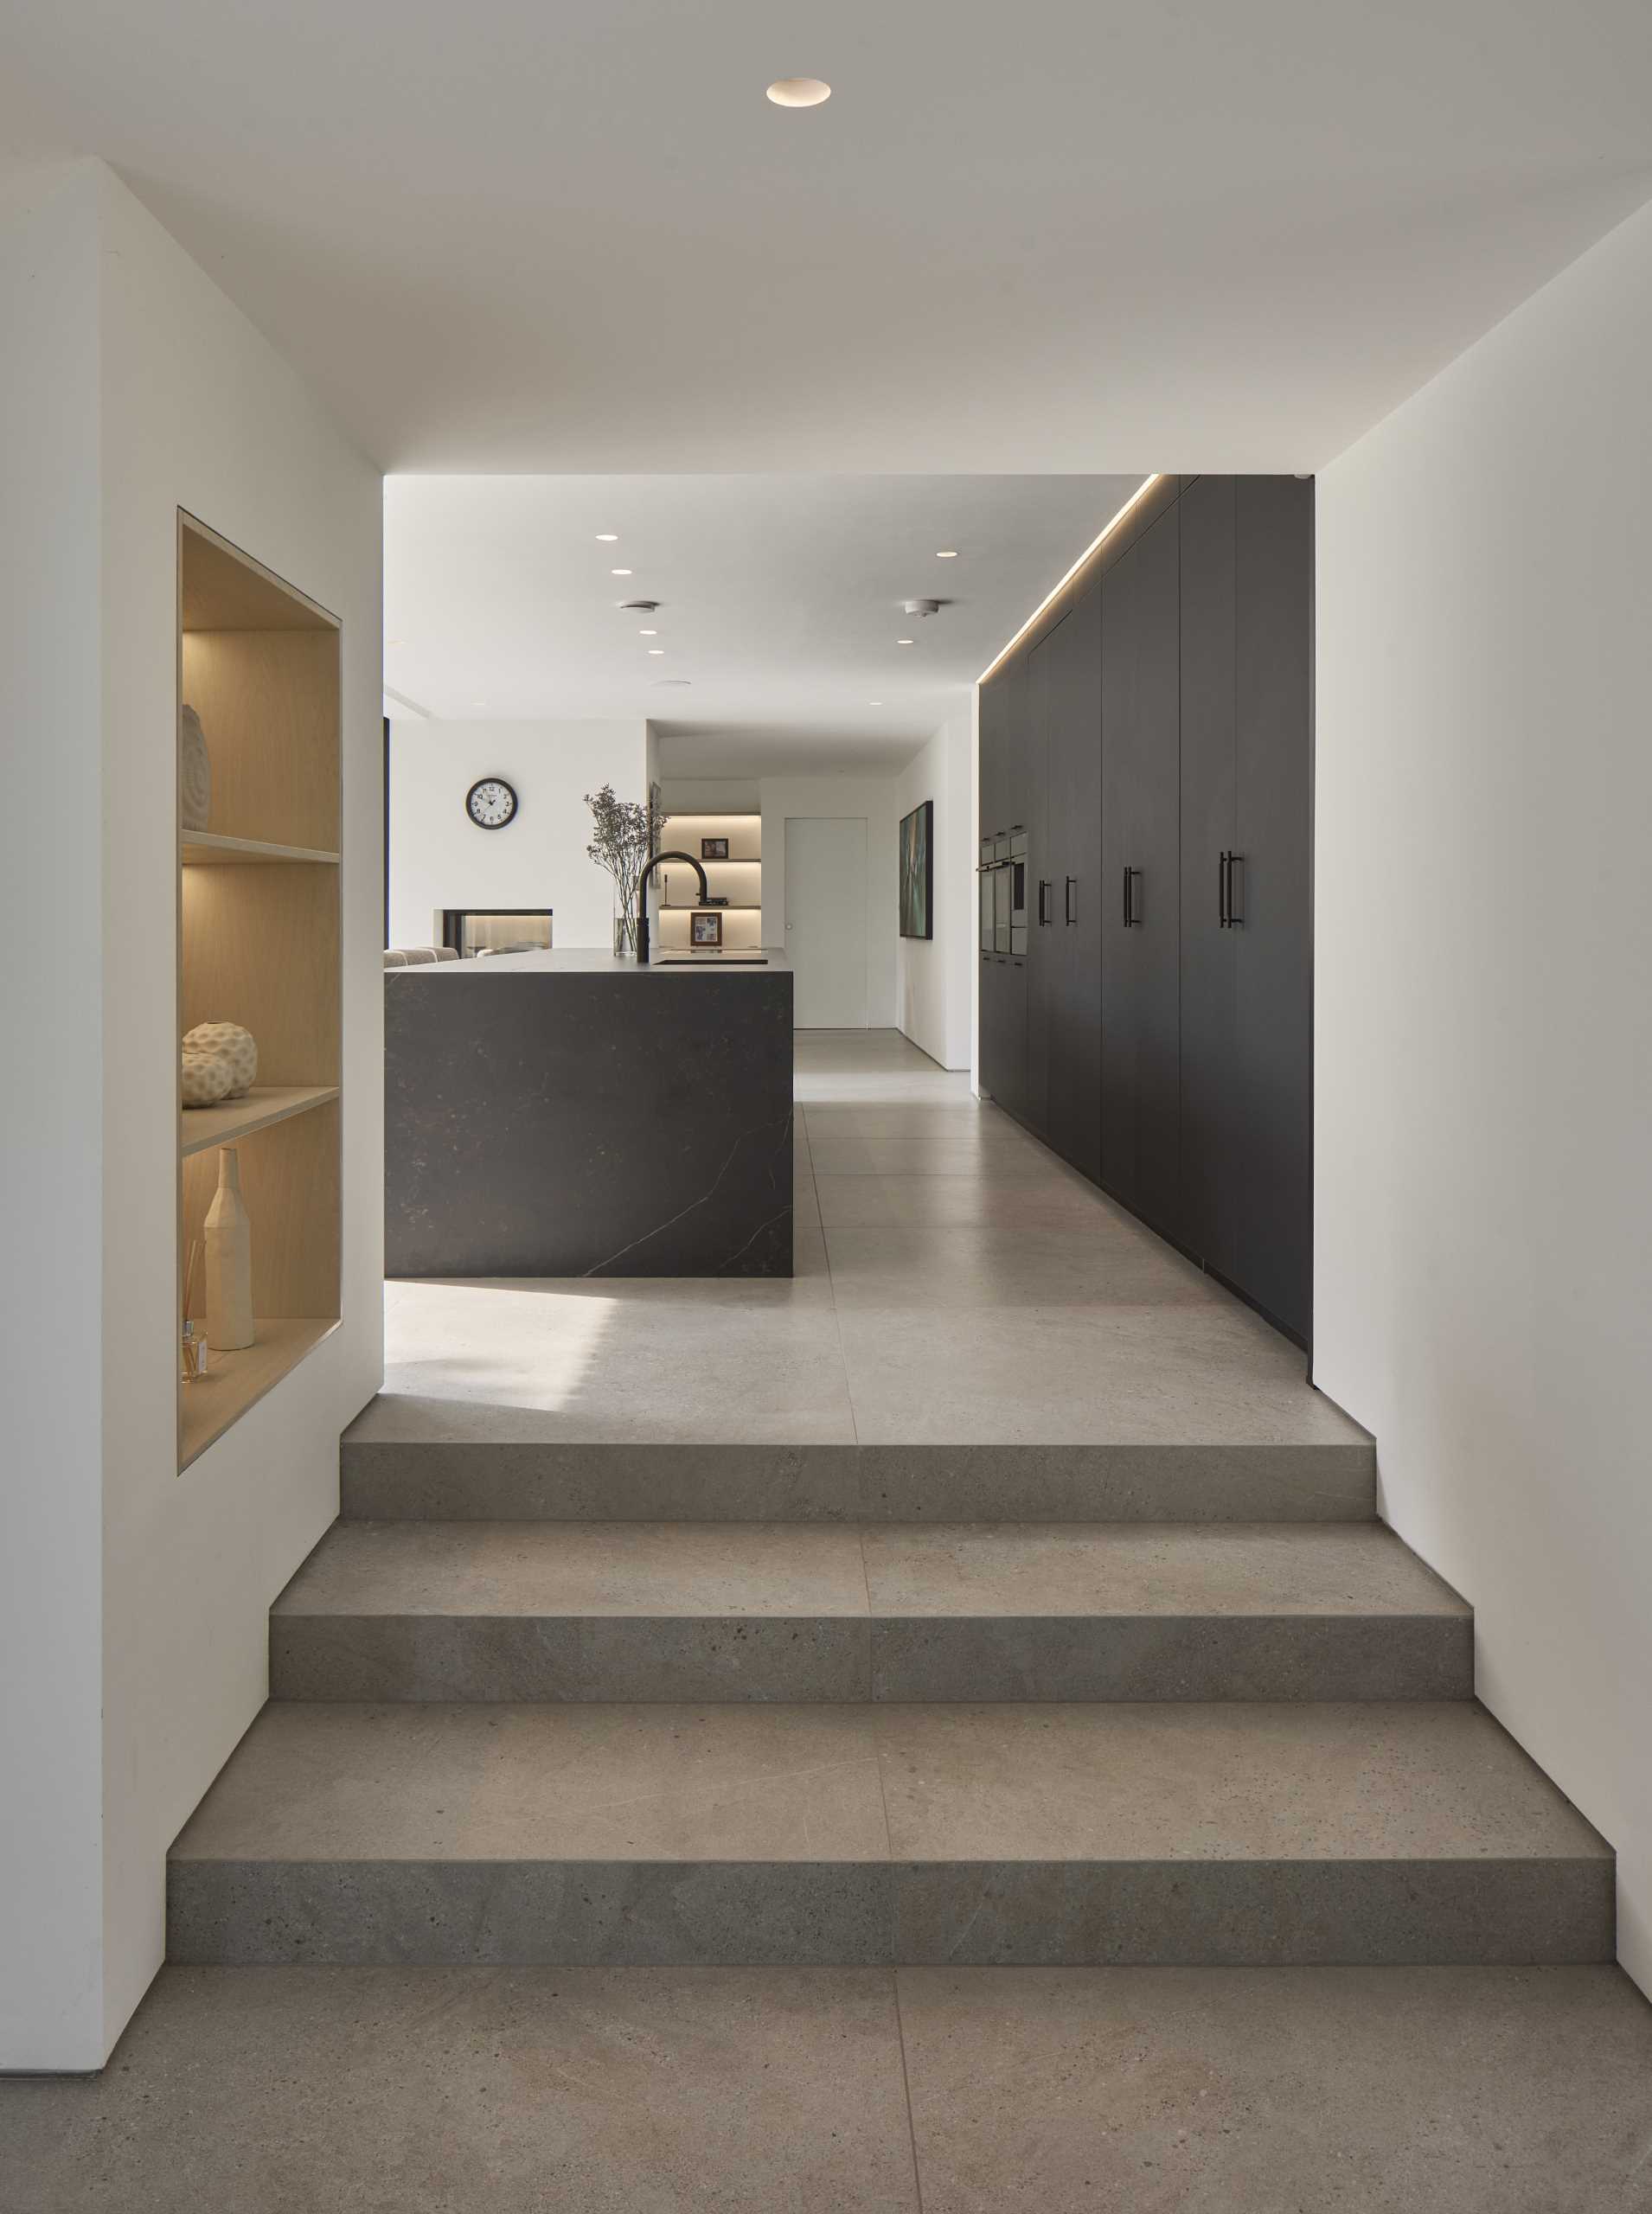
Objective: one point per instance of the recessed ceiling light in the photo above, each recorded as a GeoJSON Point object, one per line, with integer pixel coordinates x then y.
{"type": "Point", "coordinates": [799, 92]}
{"type": "Point", "coordinates": [648, 634]}
{"type": "Point", "coordinates": [947, 553]}
{"type": "Point", "coordinates": [607, 537]}
{"type": "Point", "coordinates": [903, 641]}
{"type": "Point", "coordinates": [656, 649]}
{"type": "Point", "coordinates": [875, 703]}
{"type": "Point", "coordinates": [619, 573]}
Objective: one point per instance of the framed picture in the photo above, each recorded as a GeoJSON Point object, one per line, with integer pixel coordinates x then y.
{"type": "Point", "coordinates": [705, 928]}
{"type": "Point", "coordinates": [714, 849]}
{"type": "Point", "coordinates": [917, 872]}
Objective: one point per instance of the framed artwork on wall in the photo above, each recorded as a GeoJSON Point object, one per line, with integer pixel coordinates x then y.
{"type": "Point", "coordinates": [917, 872]}
{"type": "Point", "coordinates": [705, 929]}
{"type": "Point", "coordinates": [714, 849]}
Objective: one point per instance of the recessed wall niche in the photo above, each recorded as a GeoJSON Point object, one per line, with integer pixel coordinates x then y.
{"type": "Point", "coordinates": [259, 900]}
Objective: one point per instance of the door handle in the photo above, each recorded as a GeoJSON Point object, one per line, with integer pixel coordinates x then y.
{"type": "Point", "coordinates": [1234, 918]}
{"type": "Point", "coordinates": [1071, 916]}
{"type": "Point", "coordinates": [1044, 887]}
{"type": "Point", "coordinates": [1133, 920]}
{"type": "Point", "coordinates": [1222, 890]}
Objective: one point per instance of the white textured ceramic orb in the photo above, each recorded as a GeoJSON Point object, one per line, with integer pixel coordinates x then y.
{"type": "Point", "coordinates": [232, 1044]}
{"type": "Point", "coordinates": [206, 1079]}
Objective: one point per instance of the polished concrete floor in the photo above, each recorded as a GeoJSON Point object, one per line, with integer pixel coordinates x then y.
{"type": "Point", "coordinates": [313, 2091]}
{"type": "Point", "coordinates": [956, 1283]}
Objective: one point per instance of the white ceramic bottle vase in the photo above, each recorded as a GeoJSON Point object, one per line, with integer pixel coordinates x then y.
{"type": "Point", "coordinates": [229, 1260]}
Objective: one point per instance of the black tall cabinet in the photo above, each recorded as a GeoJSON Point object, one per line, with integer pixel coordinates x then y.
{"type": "Point", "coordinates": [1068, 944]}
{"type": "Point", "coordinates": [1140, 868]}
{"type": "Point", "coordinates": [1155, 738]}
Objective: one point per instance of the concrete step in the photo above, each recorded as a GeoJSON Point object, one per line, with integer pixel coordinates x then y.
{"type": "Point", "coordinates": [499, 1477]}
{"type": "Point", "coordinates": [881, 1611]}
{"type": "Point", "coordinates": [1132, 1833]}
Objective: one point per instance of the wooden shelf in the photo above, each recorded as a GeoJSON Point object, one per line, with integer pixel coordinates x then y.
{"type": "Point", "coordinates": [239, 1118]}
{"type": "Point", "coordinates": [208, 1405]}
{"type": "Point", "coordinates": [211, 849]}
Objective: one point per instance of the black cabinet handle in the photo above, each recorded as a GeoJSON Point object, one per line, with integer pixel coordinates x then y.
{"type": "Point", "coordinates": [1071, 916]}
{"type": "Point", "coordinates": [1133, 920]}
{"type": "Point", "coordinates": [1222, 890]}
{"type": "Point", "coordinates": [1046, 904]}
{"type": "Point", "coordinates": [1234, 918]}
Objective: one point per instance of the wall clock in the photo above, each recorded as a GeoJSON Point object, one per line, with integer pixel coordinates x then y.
{"type": "Point", "coordinates": [490, 802]}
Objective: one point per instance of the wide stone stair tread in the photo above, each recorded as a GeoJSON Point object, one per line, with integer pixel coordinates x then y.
{"type": "Point", "coordinates": [1222, 1832]}
{"type": "Point", "coordinates": [882, 1611]}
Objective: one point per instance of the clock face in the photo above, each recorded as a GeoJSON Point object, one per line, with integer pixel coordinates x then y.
{"type": "Point", "coordinates": [490, 803]}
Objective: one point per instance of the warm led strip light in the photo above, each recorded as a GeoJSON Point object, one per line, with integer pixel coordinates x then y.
{"type": "Point", "coordinates": [1094, 546]}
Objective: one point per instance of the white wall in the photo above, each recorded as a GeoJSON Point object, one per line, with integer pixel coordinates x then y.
{"type": "Point", "coordinates": [935, 978]}
{"type": "Point", "coordinates": [51, 1226]}
{"type": "Point", "coordinates": [438, 858]}
{"type": "Point", "coordinates": [874, 798]}
{"type": "Point", "coordinates": [140, 370]}
{"type": "Point", "coordinates": [1483, 1009]}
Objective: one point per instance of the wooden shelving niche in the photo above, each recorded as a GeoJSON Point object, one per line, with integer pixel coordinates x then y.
{"type": "Point", "coordinates": [259, 905]}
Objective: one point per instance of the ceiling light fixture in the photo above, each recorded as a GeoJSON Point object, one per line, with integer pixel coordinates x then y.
{"type": "Point", "coordinates": [607, 537]}
{"type": "Point", "coordinates": [619, 573]}
{"type": "Point", "coordinates": [947, 553]}
{"type": "Point", "coordinates": [875, 703]}
{"type": "Point", "coordinates": [903, 641]}
{"type": "Point", "coordinates": [799, 92]}
{"type": "Point", "coordinates": [648, 634]}
{"type": "Point", "coordinates": [1094, 546]}
{"type": "Point", "coordinates": [656, 649]}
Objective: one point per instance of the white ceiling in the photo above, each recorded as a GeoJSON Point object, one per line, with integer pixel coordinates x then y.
{"type": "Point", "coordinates": [1063, 234]}
{"type": "Point", "coordinates": [780, 602]}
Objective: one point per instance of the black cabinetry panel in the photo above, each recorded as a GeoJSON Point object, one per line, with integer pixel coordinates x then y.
{"type": "Point", "coordinates": [1072, 938]}
{"type": "Point", "coordinates": [1272, 895]}
{"type": "Point", "coordinates": [1141, 867]}
{"type": "Point", "coordinates": [1209, 782]}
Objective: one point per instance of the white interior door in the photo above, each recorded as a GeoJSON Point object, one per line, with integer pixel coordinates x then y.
{"type": "Point", "coordinates": [826, 920]}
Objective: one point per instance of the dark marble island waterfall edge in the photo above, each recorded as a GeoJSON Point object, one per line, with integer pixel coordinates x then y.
{"type": "Point", "coordinates": [587, 1124]}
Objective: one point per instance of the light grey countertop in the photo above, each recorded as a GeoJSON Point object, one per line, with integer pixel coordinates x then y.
{"type": "Point", "coordinates": [591, 961]}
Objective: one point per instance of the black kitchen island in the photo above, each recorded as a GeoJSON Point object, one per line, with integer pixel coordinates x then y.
{"type": "Point", "coordinates": [566, 1114]}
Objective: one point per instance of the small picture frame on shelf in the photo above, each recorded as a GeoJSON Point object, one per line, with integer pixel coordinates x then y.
{"type": "Point", "coordinates": [714, 849]}
{"type": "Point", "coordinates": [705, 930]}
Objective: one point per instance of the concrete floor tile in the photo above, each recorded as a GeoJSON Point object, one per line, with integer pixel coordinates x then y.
{"type": "Point", "coordinates": [1090, 1569]}
{"type": "Point", "coordinates": [1192, 1373]}
{"type": "Point", "coordinates": [594, 1568]}
{"type": "Point", "coordinates": [318, 2091]}
{"type": "Point", "coordinates": [1324, 2090]}
{"type": "Point", "coordinates": [1162, 1782]}
{"type": "Point", "coordinates": [313, 1782]}
{"type": "Point", "coordinates": [927, 1274]}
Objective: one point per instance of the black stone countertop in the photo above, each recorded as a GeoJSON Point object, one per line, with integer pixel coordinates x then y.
{"type": "Point", "coordinates": [591, 961]}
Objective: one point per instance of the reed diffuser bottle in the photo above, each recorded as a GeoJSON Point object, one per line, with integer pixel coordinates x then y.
{"type": "Point", "coordinates": [229, 1260]}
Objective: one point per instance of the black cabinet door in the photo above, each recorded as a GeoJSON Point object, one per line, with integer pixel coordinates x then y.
{"type": "Point", "coordinates": [1210, 1180]}
{"type": "Point", "coordinates": [1141, 868]}
{"type": "Point", "coordinates": [1072, 936]}
{"type": "Point", "coordinates": [1032, 814]}
{"type": "Point", "coordinates": [1272, 894]}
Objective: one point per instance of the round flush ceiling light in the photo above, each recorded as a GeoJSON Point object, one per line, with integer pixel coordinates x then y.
{"type": "Point", "coordinates": [656, 649]}
{"type": "Point", "coordinates": [947, 553]}
{"type": "Point", "coordinates": [903, 641]}
{"type": "Point", "coordinates": [607, 537]}
{"type": "Point", "coordinates": [619, 573]}
{"type": "Point", "coordinates": [648, 634]}
{"type": "Point", "coordinates": [799, 92]}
